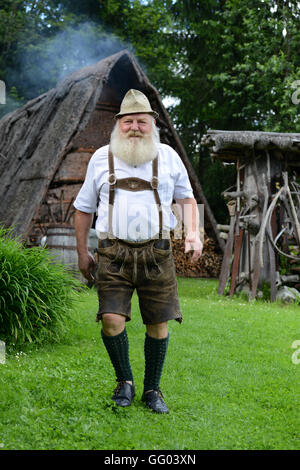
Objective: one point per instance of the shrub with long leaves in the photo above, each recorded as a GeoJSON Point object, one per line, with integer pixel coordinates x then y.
{"type": "Point", "coordinates": [36, 293]}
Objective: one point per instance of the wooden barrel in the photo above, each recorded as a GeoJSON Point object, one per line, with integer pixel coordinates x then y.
{"type": "Point", "coordinates": [61, 240]}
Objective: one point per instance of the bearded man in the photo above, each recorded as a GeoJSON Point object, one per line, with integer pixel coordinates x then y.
{"type": "Point", "coordinates": [131, 184]}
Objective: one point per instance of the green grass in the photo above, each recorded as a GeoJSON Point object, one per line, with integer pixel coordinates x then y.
{"type": "Point", "coordinates": [229, 382]}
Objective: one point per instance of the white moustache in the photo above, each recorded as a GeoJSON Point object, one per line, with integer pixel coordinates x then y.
{"type": "Point", "coordinates": [134, 134]}
{"type": "Point", "coordinates": [134, 151]}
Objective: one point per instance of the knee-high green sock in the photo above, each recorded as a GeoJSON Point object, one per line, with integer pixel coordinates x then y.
{"type": "Point", "coordinates": [118, 351]}
{"type": "Point", "coordinates": [155, 353]}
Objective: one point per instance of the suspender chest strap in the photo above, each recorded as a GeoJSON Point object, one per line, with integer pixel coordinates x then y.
{"type": "Point", "coordinates": [132, 184]}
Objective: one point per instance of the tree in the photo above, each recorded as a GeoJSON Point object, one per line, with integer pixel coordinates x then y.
{"type": "Point", "coordinates": [236, 64]}
{"type": "Point", "coordinates": [23, 24]}
{"type": "Point", "coordinates": [55, 38]}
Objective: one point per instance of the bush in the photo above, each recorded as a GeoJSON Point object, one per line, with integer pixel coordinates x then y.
{"type": "Point", "coordinates": [36, 293]}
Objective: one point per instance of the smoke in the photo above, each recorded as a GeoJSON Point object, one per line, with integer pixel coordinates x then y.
{"type": "Point", "coordinates": [76, 47]}
{"type": "Point", "coordinates": [43, 65]}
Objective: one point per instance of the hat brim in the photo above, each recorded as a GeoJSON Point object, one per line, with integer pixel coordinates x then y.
{"type": "Point", "coordinates": [152, 113]}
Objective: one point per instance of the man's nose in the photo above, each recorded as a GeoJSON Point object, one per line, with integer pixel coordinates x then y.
{"type": "Point", "coordinates": [134, 126]}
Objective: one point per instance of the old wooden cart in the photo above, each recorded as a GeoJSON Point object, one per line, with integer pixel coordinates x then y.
{"type": "Point", "coordinates": [263, 234]}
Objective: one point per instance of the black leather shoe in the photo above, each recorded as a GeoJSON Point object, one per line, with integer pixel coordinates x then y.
{"type": "Point", "coordinates": [124, 394]}
{"type": "Point", "coordinates": [154, 401]}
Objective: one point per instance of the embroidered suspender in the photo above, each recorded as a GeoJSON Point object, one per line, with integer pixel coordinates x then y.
{"type": "Point", "coordinates": [132, 184]}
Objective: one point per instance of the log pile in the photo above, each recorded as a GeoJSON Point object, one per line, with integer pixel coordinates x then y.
{"type": "Point", "coordinates": [208, 266]}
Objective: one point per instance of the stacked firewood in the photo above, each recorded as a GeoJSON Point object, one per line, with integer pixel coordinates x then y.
{"type": "Point", "coordinates": [208, 266]}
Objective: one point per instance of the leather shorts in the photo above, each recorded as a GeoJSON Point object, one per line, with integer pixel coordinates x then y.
{"type": "Point", "coordinates": [147, 267]}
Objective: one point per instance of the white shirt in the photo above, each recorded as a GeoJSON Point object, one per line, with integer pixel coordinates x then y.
{"type": "Point", "coordinates": [135, 214]}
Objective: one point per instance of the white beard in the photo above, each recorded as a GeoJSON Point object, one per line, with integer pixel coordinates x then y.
{"type": "Point", "coordinates": [132, 150]}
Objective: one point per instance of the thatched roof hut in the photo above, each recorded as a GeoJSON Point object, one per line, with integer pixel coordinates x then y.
{"type": "Point", "coordinates": [45, 146]}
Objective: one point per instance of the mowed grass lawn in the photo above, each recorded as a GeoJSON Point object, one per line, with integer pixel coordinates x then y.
{"type": "Point", "coordinates": [229, 381]}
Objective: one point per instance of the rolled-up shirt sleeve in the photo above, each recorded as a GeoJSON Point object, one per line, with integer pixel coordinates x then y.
{"type": "Point", "coordinates": [87, 198]}
{"type": "Point", "coordinates": [182, 187]}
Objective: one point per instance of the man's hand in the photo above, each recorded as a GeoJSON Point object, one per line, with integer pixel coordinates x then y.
{"type": "Point", "coordinates": [190, 218]}
{"type": "Point", "coordinates": [86, 264]}
{"type": "Point", "coordinates": [193, 243]}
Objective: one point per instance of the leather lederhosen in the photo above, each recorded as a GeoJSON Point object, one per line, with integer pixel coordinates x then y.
{"type": "Point", "coordinates": [146, 266]}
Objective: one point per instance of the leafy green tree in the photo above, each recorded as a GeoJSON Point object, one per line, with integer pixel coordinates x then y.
{"type": "Point", "coordinates": [57, 37]}
{"type": "Point", "coordinates": [12, 21]}
{"type": "Point", "coordinates": [23, 24]}
{"type": "Point", "coordinates": [236, 63]}
{"type": "Point", "coordinates": [261, 39]}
